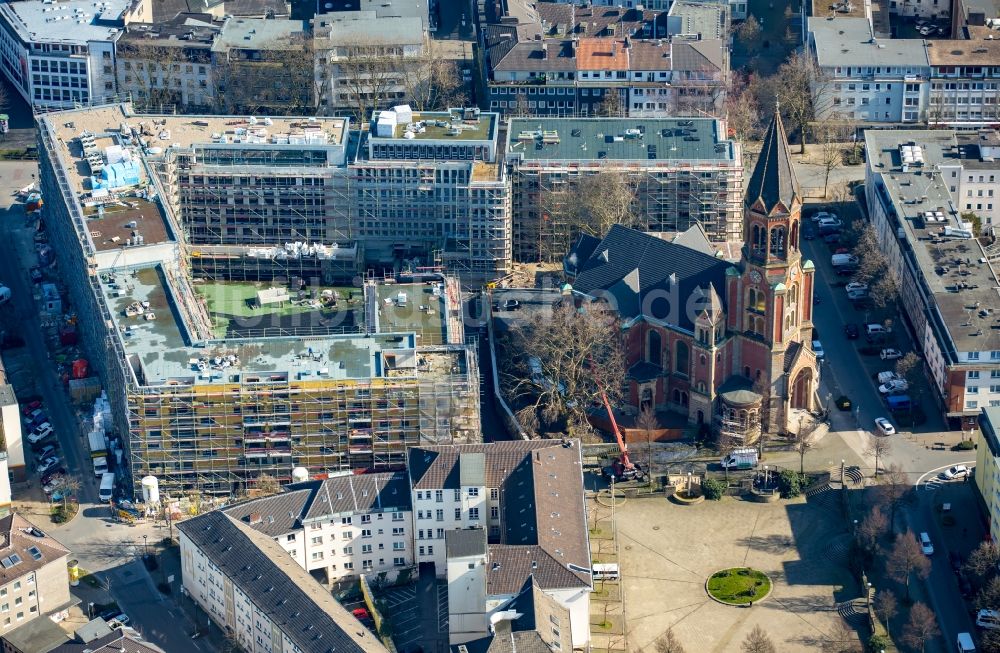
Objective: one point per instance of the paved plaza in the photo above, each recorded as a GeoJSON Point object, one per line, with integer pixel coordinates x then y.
{"type": "Point", "coordinates": [668, 552]}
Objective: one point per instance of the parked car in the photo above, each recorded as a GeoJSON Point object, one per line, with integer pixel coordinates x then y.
{"type": "Point", "coordinates": [884, 426]}
{"type": "Point", "coordinates": [857, 295]}
{"type": "Point", "coordinates": [117, 618]}
{"type": "Point", "coordinates": [831, 239]}
{"type": "Point", "coordinates": [47, 452]}
{"type": "Point", "coordinates": [818, 350]}
{"type": "Point", "coordinates": [988, 619]}
{"type": "Point", "coordinates": [54, 483]}
{"type": "Point", "coordinates": [51, 474]}
{"type": "Point", "coordinates": [30, 418]}
{"type": "Point", "coordinates": [39, 419]}
{"type": "Point", "coordinates": [926, 546]}
{"type": "Point", "coordinates": [894, 386]}
{"type": "Point", "coordinates": [957, 471]}
{"type": "Point", "coordinates": [820, 215]}
{"type": "Point", "coordinates": [851, 331]}
{"type": "Point", "coordinates": [890, 354]}
{"type": "Point", "coordinates": [360, 613]}
{"type": "Point", "coordinates": [29, 408]}
{"type": "Point", "coordinates": [856, 285]}
{"type": "Point", "coordinates": [49, 463]}
{"type": "Point", "coordinates": [887, 377]}
{"type": "Point", "coordinates": [877, 330]}
{"type": "Point", "coordinates": [43, 431]}
{"type": "Point", "coordinates": [511, 305]}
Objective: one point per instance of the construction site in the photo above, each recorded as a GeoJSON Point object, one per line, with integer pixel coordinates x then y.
{"type": "Point", "coordinates": [676, 173]}
{"type": "Point", "coordinates": [226, 361]}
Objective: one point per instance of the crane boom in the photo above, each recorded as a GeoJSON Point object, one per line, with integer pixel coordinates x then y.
{"type": "Point", "coordinates": [626, 462]}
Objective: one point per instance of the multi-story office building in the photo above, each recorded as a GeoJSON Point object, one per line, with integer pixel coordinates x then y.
{"type": "Point", "coordinates": [345, 525]}
{"type": "Point", "coordinates": [523, 502]}
{"type": "Point", "coordinates": [683, 172]}
{"type": "Point", "coordinates": [251, 589]}
{"type": "Point", "coordinates": [965, 79]}
{"type": "Point", "coordinates": [62, 54]}
{"type": "Point", "coordinates": [168, 65]}
{"type": "Point", "coordinates": [948, 285]}
{"type": "Point", "coordinates": [562, 60]}
{"type": "Point", "coordinates": [867, 79]}
{"type": "Point", "coordinates": [209, 394]}
{"type": "Point", "coordinates": [430, 186]}
{"type": "Point", "coordinates": [34, 579]}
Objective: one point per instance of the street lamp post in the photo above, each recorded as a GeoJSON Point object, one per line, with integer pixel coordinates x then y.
{"type": "Point", "coordinates": [145, 548]}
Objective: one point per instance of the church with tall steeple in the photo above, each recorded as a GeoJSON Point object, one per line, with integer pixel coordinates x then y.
{"type": "Point", "coordinates": [726, 345]}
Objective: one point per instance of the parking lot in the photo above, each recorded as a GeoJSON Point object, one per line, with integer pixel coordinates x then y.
{"type": "Point", "coordinates": [669, 551]}
{"type": "Point", "coordinates": [404, 613]}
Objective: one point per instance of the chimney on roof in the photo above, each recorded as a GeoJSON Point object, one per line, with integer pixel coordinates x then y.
{"type": "Point", "coordinates": [614, 48]}
{"type": "Point", "coordinates": [545, 50]}
{"type": "Point", "coordinates": [256, 518]}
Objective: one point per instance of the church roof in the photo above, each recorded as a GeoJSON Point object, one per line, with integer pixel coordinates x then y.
{"type": "Point", "coordinates": [632, 266]}
{"type": "Point", "coordinates": [773, 179]}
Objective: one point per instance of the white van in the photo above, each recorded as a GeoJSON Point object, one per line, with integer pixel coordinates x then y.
{"type": "Point", "coordinates": [988, 619]}
{"type": "Point", "coordinates": [107, 487]}
{"type": "Point", "coordinates": [605, 571]}
{"type": "Point", "coordinates": [876, 329]}
{"type": "Point", "coordinates": [964, 644]}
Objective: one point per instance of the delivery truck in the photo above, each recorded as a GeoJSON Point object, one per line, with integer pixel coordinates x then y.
{"type": "Point", "coordinates": [745, 458]}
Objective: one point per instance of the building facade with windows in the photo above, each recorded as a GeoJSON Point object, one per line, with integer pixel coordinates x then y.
{"type": "Point", "coordinates": [342, 526]}
{"type": "Point", "coordinates": [34, 578]}
{"type": "Point", "coordinates": [864, 78]}
{"type": "Point", "coordinates": [256, 594]}
{"type": "Point", "coordinates": [965, 79]}
{"type": "Point", "coordinates": [62, 54]}
{"type": "Point", "coordinates": [987, 476]}
{"type": "Point", "coordinates": [948, 283]}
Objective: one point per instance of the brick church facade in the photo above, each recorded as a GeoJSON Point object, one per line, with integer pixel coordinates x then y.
{"type": "Point", "coordinates": [724, 344]}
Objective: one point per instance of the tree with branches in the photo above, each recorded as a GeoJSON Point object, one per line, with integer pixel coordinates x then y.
{"type": "Point", "coordinates": [366, 76]}
{"type": "Point", "coordinates": [893, 489]}
{"type": "Point", "coordinates": [886, 606]}
{"type": "Point", "coordinates": [841, 639]}
{"type": "Point", "coordinates": [988, 598]}
{"type": "Point", "coordinates": [742, 108]}
{"type": "Point", "coordinates": [878, 447]}
{"type": "Point", "coordinates": [758, 641]}
{"type": "Point", "coordinates": [983, 560]}
{"type": "Point", "coordinates": [266, 485]}
{"type": "Point", "coordinates": [802, 439]}
{"type": "Point", "coordinates": [152, 71]}
{"type": "Point", "coordinates": [831, 134]}
{"type": "Point", "coordinates": [906, 559]}
{"type": "Point", "coordinates": [921, 627]}
{"type": "Point", "coordinates": [799, 78]}
{"type": "Point", "coordinates": [668, 643]}
{"type": "Point", "coordinates": [591, 205]}
{"type": "Point", "coordinates": [871, 529]}
{"type": "Point", "coordinates": [748, 33]}
{"type": "Point", "coordinates": [278, 80]}
{"type": "Point", "coordinates": [550, 362]}
{"type": "Point", "coordinates": [432, 82]}
{"type": "Point", "coordinates": [611, 105]}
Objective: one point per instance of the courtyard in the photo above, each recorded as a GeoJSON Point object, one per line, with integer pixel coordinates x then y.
{"type": "Point", "coordinates": [667, 552]}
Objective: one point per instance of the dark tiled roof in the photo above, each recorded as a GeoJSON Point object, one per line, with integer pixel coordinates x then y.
{"type": "Point", "coordinates": [33, 547]}
{"type": "Point", "coordinates": [279, 514]}
{"type": "Point", "coordinates": [509, 566]}
{"type": "Point", "coordinates": [580, 252]}
{"type": "Point", "coordinates": [773, 179]}
{"type": "Point", "coordinates": [119, 641]}
{"type": "Point", "coordinates": [465, 542]}
{"type": "Point", "coordinates": [357, 493]}
{"type": "Point", "coordinates": [541, 500]}
{"type": "Point", "coordinates": [630, 264]}
{"type": "Point", "coordinates": [290, 597]}
{"type": "Point", "coordinates": [644, 371]}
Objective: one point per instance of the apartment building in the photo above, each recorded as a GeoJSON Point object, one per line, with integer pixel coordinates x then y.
{"type": "Point", "coordinates": [965, 79]}
{"type": "Point", "coordinates": [62, 54]}
{"type": "Point", "coordinates": [430, 187]}
{"type": "Point", "coordinates": [34, 580]}
{"type": "Point", "coordinates": [254, 591]}
{"type": "Point", "coordinates": [561, 60]}
{"type": "Point", "coordinates": [947, 281]}
{"type": "Point", "coordinates": [96, 636]}
{"type": "Point", "coordinates": [987, 476]}
{"type": "Point", "coordinates": [682, 172]}
{"type": "Point", "coordinates": [168, 65]}
{"type": "Point", "coordinates": [864, 78]}
{"type": "Point", "coordinates": [361, 55]}
{"type": "Point", "coordinates": [737, 8]}
{"type": "Point", "coordinates": [207, 400]}
{"type": "Point", "coordinates": [343, 526]}
{"type": "Point", "coordinates": [525, 500]}
{"type": "Point", "coordinates": [12, 458]}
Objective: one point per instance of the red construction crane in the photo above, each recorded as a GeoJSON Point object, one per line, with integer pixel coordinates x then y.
{"type": "Point", "coordinates": [622, 469]}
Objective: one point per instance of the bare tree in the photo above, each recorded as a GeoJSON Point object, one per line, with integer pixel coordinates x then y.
{"type": "Point", "coordinates": [611, 105]}
{"type": "Point", "coordinates": [748, 33]}
{"type": "Point", "coordinates": [908, 367]}
{"type": "Point", "coordinates": [989, 641]}
{"type": "Point", "coordinates": [983, 560]}
{"type": "Point", "coordinates": [588, 205]}
{"type": "Point", "coordinates": [842, 639]}
{"type": "Point", "coordinates": [886, 606]}
{"type": "Point", "coordinates": [432, 82]}
{"type": "Point", "coordinates": [668, 643]}
{"type": "Point", "coordinates": [647, 423]}
{"type": "Point", "coordinates": [907, 559]}
{"type": "Point", "coordinates": [878, 447]}
{"type": "Point", "coordinates": [277, 80]}
{"type": "Point", "coordinates": [830, 135]}
{"type": "Point", "coordinates": [799, 78]}
{"type": "Point", "coordinates": [757, 641]}
{"type": "Point", "coordinates": [988, 597]}
{"type": "Point", "coordinates": [802, 439]}
{"type": "Point", "coordinates": [893, 490]}
{"type": "Point", "coordinates": [369, 77]}
{"type": "Point", "coordinates": [152, 71]}
{"type": "Point", "coordinates": [266, 485]}
{"type": "Point", "coordinates": [742, 109]}
{"type": "Point", "coordinates": [921, 627]}
{"type": "Point", "coordinates": [551, 361]}
{"type": "Point", "coordinates": [69, 488]}
{"type": "Point", "coordinates": [874, 525]}
{"type": "Point", "coordinates": [527, 419]}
